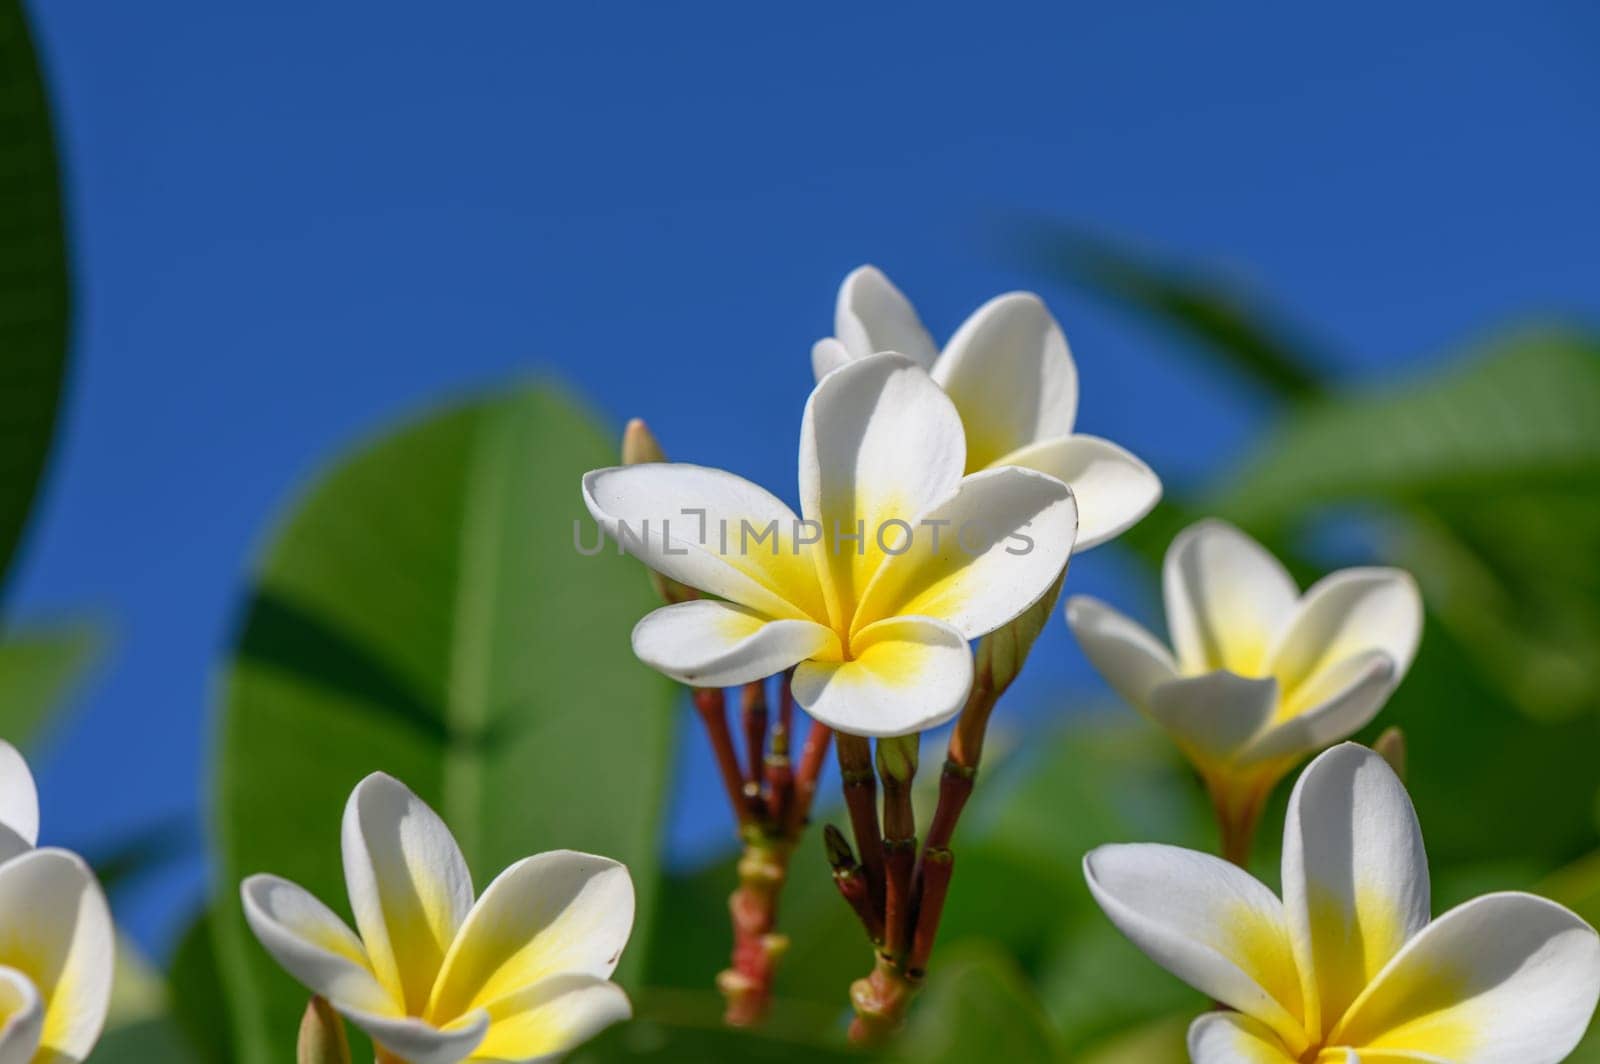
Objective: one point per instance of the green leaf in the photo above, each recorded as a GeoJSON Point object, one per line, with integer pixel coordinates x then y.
{"type": "Point", "coordinates": [39, 667]}
{"type": "Point", "coordinates": [687, 1026]}
{"type": "Point", "coordinates": [34, 295]}
{"type": "Point", "coordinates": [424, 612]}
{"type": "Point", "coordinates": [1233, 327]}
{"type": "Point", "coordinates": [195, 993]}
{"type": "Point", "coordinates": [1519, 412]}
{"type": "Point", "coordinates": [978, 1006]}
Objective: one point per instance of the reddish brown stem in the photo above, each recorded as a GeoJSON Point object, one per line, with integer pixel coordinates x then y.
{"type": "Point", "coordinates": [900, 856]}
{"type": "Point", "coordinates": [861, 799]}
{"type": "Point", "coordinates": [712, 706]}
{"type": "Point", "coordinates": [753, 709]}
{"type": "Point", "coordinates": [809, 771]}
{"type": "Point", "coordinates": [779, 770]}
{"type": "Point", "coordinates": [881, 1001]}
{"type": "Point", "coordinates": [851, 883]}
{"type": "Point", "coordinates": [933, 876]}
{"type": "Point", "coordinates": [757, 946]}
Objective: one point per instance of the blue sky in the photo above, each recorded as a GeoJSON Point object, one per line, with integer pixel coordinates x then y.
{"type": "Point", "coordinates": [294, 224]}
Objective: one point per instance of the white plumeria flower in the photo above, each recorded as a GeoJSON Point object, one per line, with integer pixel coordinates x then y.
{"type": "Point", "coordinates": [879, 625]}
{"type": "Point", "coordinates": [56, 939]}
{"type": "Point", "coordinates": [19, 804]}
{"type": "Point", "coordinates": [1262, 675]}
{"type": "Point", "coordinates": [434, 977]}
{"type": "Point", "coordinates": [1012, 378]}
{"type": "Point", "coordinates": [1347, 968]}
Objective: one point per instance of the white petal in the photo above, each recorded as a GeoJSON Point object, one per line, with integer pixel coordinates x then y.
{"type": "Point", "coordinates": [313, 945]}
{"type": "Point", "coordinates": [1227, 599]}
{"type": "Point", "coordinates": [714, 644]}
{"type": "Point", "coordinates": [1213, 717]}
{"type": "Point", "coordinates": [1350, 612]}
{"type": "Point", "coordinates": [1112, 487]}
{"type": "Point", "coordinates": [1205, 921]}
{"type": "Point", "coordinates": [872, 315]}
{"type": "Point", "coordinates": [19, 804]}
{"type": "Point", "coordinates": [418, 1042]}
{"type": "Point", "coordinates": [21, 1017]}
{"type": "Point", "coordinates": [1505, 977]}
{"type": "Point", "coordinates": [711, 530]}
{"type": "Point", "coordinates": [409, 885]}
{"type": "Point", "coordinates": [1355, 876]}
{"type": "Point", "coordinates": [1229, 1038]}
{"type": "Point", "coordinates": [1124, 652]}
{"type": "Point", "coordinates": [552, 914]}
{"type": "Point", "coordinates": [879, 442]}
{"type": "Point", "coordinates": [1337, 703]}
{"type": "Point", "coordinates": [909, 674]}
{"type": "Point", "coordinates": [827, 355]}
{"type": "Point", "coordinates": [55, 928]}
{"type": "Point", "coordinates": [979, 558]}
{"type": "Point", "coordinates": [1011, 376]}
{"type": "Point", "coordinates": [548, 1019]}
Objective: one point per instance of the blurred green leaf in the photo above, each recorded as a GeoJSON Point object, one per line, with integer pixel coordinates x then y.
{"type": "Point", "coordinates": [1519, 412]}
{"type": "Point", "coordinates": [978, 1006]}
{"type": "Point", "coordinates": [38, 668]}
{"type": "Point", "coordinates": [687, 1026]}
{"type": "Point", "coordinates": [1234, 328]}
{"type": "Point", "coordinates": [143, 1041]}
{"type": "Point", "coordinates": [139, 852]}
{"type": "Point", "coordinates": [424, 612]}
{"type": "Point", "coordinates": [198, 1006]}
{"type": "Point", "coordinates": [138, 1027]}
{"type": "Point", "coordinates": [34, 294]}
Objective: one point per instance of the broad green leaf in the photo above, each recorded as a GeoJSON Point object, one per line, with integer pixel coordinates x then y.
{"type": "Point", "coordinates": [1520, 412]}
{"type": "Point", "coordinates": [34, 295]}
{"type": "Point", "coordinates": [687, 1026]}
{"type": "Point", "coordinates": [978, 1006]}
{"type": "Point", "coordinates": [424, 612]}
{"type": "Point", "coordinates": [38, 668]}
{"type": "Point", "coordinates": [138, 1026]}
{"type": "Point", "coordinates": [196, 1002]}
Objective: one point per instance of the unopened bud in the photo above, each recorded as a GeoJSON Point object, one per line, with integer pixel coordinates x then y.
{"type": "Point", "coordinates": [1391, 746]}
{"type": "Point", "coordinates": [640, 446]}
{"type": "Point", "coordinates": [322, 1036]}
{"type": "Point", "coordinates": [1003, 652]}
{"type": "Point", "coordinates": [840, 856]}
{"type": "Point", "coordinates": [897, 758]}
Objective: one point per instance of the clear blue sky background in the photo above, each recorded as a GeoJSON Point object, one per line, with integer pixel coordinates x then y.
{"type": "Point", "coordinates": [297, 223]}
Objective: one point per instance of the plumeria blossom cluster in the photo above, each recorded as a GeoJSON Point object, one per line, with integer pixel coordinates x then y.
{"type": "Point", "coordinates": [872, 631]}
{"type": "Point", "coordinates": [435, 976]}
{"type": "Point", "coordinates": [1348, 967]}
{"type": "Point", "coordinates": [874, 640]}
{"type": "Point", "coordinates": [56, 938]}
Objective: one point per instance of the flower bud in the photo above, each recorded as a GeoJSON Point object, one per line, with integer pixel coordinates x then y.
{"type": "Point", "coordinates": [1002, 653]}
{"type": "Point", "coordinates": [1391, 746]}
{"type": "Point", "coordinates": [640, 446]}
{"type": "Point", "coordinates": [322, 1036]}
{"type": "Point", "coordinates": [897, 758]}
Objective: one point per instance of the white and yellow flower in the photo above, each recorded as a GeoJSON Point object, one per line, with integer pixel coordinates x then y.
{"type": "Point", "coordinates": [1262, 676]}
{"type": "Point", "coordinates": [19, 804]}
{"type": "Point", "coordinates": [1012, 379]}
{"type": "Point", "coordinates": [56, 940]}
{"type": "Point", "coordinates": [435, 977]}
{"type": "Point", "coordinates": [1347, 967]}
{"type": "Point", "coordinates": [899, 562]}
